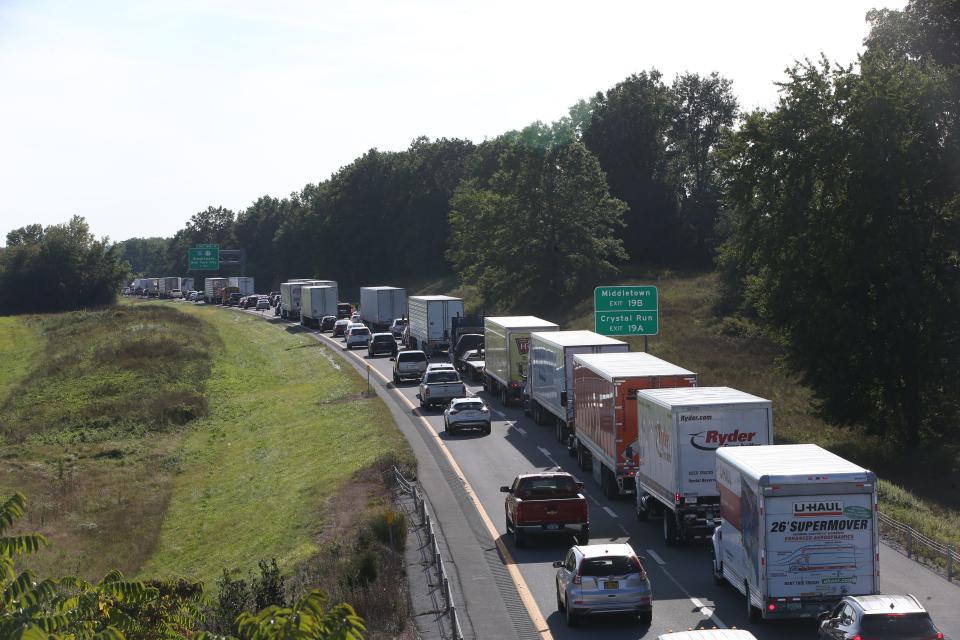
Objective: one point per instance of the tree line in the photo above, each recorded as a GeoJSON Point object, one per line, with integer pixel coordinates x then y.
{"type": "Point", "coordinates": [832, 217]}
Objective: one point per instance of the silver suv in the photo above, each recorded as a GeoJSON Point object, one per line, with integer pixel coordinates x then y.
{"type": "Point", "coordinates": [884, 617]}
{"type": "Point", "coordinates": [602, 578]}
{"type": "Point", "coordinates": [409, 365]}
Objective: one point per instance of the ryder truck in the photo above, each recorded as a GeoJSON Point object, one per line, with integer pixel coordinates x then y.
{"type": "Point", "coordinates": [680, 431]}
{"type": "Point", "coordinates": [798, 529]}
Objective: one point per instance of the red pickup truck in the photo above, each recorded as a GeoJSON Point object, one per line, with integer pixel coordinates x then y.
{"type": "Point", "coordinates": [546, 502]}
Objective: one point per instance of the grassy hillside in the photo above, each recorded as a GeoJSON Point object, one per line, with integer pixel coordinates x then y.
{"type": "Point", "coordinates": [163, 439]}
{"type": "Point", "coordinates": [20, 342]}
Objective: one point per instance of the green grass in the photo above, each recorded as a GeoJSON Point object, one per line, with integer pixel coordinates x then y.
{"type": "Point", "coordinates": [727, 351]}
{"type": "Point", "coordinates": [21, 341]}
{"type": "Point", "coordinates": [287, 430]}
{"type": "Point", "coordinates": [107, 371]}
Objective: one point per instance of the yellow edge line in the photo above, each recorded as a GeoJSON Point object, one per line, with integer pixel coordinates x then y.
{"type": "Point", "coordinates": [529, 603]}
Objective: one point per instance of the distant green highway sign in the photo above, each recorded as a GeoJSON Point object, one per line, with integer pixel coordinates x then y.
{"type": "Point", "coordinates": [626, 311]}
{"type": "Point", "coordinates": [205, 257]}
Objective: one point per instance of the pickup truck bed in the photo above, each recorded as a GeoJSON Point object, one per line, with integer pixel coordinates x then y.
{"type": "Point", "coordinates": [440, 387]}
{"type": "Point", "coordinates": [548, 503]}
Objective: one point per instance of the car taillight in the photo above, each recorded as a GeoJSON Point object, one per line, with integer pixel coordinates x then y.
{"type": "Point", "coordinates": [427, 392]}
{"type": "Point", "coordinates": [939, 636]}
{"type": "Point", "coordinates": [856, 637]}
{"type": "Point", "coordinates": [635, 561]}
{"type": "Point", "coordinates": [771, 607]}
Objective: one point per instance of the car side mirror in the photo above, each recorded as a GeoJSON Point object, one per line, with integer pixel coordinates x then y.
{"type": "Point", "coordinates": [504, 489]}
{"type": "Point", "coordinates": [579, 486]}
{"type": "Point", "coordinates": [557, 564]}
{"type": "Point", "coordinates": [418, 396]}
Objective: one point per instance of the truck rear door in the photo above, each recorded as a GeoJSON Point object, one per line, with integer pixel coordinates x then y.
{"type": "Point", "coordinates": [820, 545]}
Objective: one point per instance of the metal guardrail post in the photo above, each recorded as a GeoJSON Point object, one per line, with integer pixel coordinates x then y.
{"type": "Point", "coordinates": [949, 564]}
{"type": "Point", "coordinates": [910, 542]}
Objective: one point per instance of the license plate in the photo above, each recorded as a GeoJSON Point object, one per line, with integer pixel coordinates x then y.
{"type": "Point", "coordinates": [611, 584]}
{"type": "Point", "coordinates": [553, 527]}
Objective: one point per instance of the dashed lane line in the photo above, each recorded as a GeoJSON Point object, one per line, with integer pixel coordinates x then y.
{"type": "Point", "coordinates": [611, 512]}
{"type": "Point", "coordinates": [656, 558]}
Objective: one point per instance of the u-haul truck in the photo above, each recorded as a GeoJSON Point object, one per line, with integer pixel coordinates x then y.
{"type": "Point", "coordinates": [798, 529]}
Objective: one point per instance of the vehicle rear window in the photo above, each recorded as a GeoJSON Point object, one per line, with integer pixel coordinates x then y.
{"type": "Point", "coordinates": [887, 624]}
{"type": "Point", "coordinates": [444, 376]}
{"type": "Point", "coordinates": [383, 338]}
{"type": "Point", "coordinates": [361, 332]}
{"type": "Point", "coordinates": [413, 357]}
{"type": "Point", "coordinates": [609, 566]}
{"type": "Point", "coordinates": [548, 486]}
{"type": "Point", "coordinates": [469, 406]}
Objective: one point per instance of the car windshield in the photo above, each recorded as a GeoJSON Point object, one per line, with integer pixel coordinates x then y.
{"type": "Point", "coordinates": [608, 566]}
{"type": "Point", "coordinates": [468, 406]}
{"type": "Point", "coordinates": [548, 486]}
{"type": "Point", "coordinates": [896, 625]}
{"type": "Point", "coordinates": [443, 376]}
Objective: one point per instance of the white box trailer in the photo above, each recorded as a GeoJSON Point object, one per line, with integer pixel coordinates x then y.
{"type": "Point", "coordinates": [152, 286]}
{"type": "Point", "coordinates": [506, 349]}
{"type": "Point", "coordinates": [798, 529]}
{"type": "Point", "coordinates": [213, 290]}
{"type": "Point", "coordinates": [243, 284]}
{"type": "Point", "coordinates": [186, 285]}
{"type": "Point", "coordinates": [380, 305]}
{"type": "Point", "coordinates": [431, 320]}
{"type": "Point", "coordinates": [167, 285]}
{"type": "Point", "coordinates": [550, 379]}
{"type": "Point", "coordinates": [317, 301]}
{"type": "Point", "coordinates": [679, 431]}
{"type": "Point", "coordinates": [290, 296]}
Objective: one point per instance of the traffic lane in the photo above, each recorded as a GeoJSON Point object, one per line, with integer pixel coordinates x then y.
{"type": "Point", "coordinates": [684, 594]}
{"type": "Point", "coordinates": [686, 565]}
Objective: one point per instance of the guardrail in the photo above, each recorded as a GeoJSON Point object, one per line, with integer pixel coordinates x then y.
{"type": "Point", "coordinates": [423, 512]}
{"type": "Point", "coordinates": [923, 549]}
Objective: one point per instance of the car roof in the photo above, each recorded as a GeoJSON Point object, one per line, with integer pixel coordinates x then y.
{"type": "Point", "coordinates": [543, 474]}
{"type": "Point", "coordinates": [470, 399]}
{"type": "Point", "coordinates": [440, 365]}
{"type": "Point", "coordinates": [888, 604]}
{"type": "Point", "coordinates": [343, 320]}
{"type": "Point", "coordinates": [384, 335]}
{"type": "Point", "coordinates": [403, 353]}
{"type": "Point", "coordinates": [709, 634]}
{"type": "Point", "coordinates": [604, 550]}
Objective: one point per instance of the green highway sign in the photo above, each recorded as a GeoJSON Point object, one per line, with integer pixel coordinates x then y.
{"type": "Point", "coordinates": [626, 311]}
{"type": "Point", "coordinates": [204, 258]}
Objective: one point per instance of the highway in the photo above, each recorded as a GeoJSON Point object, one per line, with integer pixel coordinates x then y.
{"type": "Point", "coordinates": [685, 595]}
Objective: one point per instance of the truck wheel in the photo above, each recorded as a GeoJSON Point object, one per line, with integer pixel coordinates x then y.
{"type": "Point", "coordinates": [718, 575]}
{"type": "Point", "coordinates": [610, 488]}
{"type": "Point", "coordinates": [583, 538]}
{"type": "Point", "coordinates": [646, 617]}
{"type": "Point", "coordinates": [519, 537]}
{"type": "Point", "coordinates": [561, 431]}
{"type": "Point", "coordinates": [571, 618]}
{"type": "Point", "coordinates": [506, 523]}
{"type": "Point", "coordinates": [560, 606]}
{"type": "Point", "coordinates": [503, 396]}
{"type": "Point", "coordinates": [487, 429]}
{"type": "Point", "coordinates": [669, 528]}
{"type": "Point", "coordinates": [753, 614]}
{"type": "Point", "coordinates": [643, 509]}
{"type": "Point", "coordinates": [396, 380]}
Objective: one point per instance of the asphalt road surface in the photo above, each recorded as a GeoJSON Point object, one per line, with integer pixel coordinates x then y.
{"type": "Point", "coordinates": [685, 595]}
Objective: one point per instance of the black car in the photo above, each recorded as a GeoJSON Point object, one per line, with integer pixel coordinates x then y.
{"type": "Point", "coordinates": [466, 342]}
{"type": "Point", "coordinates": [234, 299]}
{"type": "Point", "coordinates": [879, 618]}
{"type": "Point", "coordinates": [382, 343]}
{"type": "Point", "coordinates": [327, 322]}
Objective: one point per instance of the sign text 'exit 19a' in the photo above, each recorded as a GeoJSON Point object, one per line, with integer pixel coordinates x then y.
{"type": "Point", "coordinates": [626, 310]}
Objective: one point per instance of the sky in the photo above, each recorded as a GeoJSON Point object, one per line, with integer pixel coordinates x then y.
{"type": "Point", "coordinates": [136, 115]}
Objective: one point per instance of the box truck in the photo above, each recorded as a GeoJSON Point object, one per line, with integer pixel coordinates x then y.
{"type": "Point", "coordinates": [213, 290]}
{"type": "Point", "coordinates": [431, 321]}
{"type": "Point", "coordinates": [152, 287]}
{"type": "Point", "coordinates": [798, 529]}
{"type": "Point", "coordinates": [380, 305]}
{"type": "Point", "coordinates": [167, 285]}
{"type": "Point", "coordinates": [605, 387]}
{"type": "Point", "coordinates": [290, 296]}
{"type": "Point", "coordinates": [506, 349]}
{"type": "Point", "coordinates": [243, 285]}
{"type": "Point", "coordinates": [317, 301]}
{"type": "Point", "coordinates": [679, 432]}
{"type": "Point", "coordinates": [551, 373]}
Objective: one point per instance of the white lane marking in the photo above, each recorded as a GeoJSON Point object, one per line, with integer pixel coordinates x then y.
{"type": "Point", "coordinates": [624, 529]}
{"type": "Point", "coordinates": [522, 431]}
{"type": "Point", "coordinates": [610, 512]}
{"type": "Point", "coordinates": [708, 612]}
{"type": "Point", "coordinates": [592, 499]}
{"type": "Point", "coordinates": [657, 558]}
{"type": "Point", "coordinates": [546, 452]}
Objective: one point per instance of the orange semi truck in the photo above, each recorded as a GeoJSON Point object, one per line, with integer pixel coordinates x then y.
{"type": "Point", "coordinates": [605, 386]}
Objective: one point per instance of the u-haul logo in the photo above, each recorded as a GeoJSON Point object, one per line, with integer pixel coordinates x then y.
{"type": "Point", "coordinates": [713, 439]}
{"type": "Point", "coordinates": [523, 345]}
{"type": "Point", "coordinates": [816, 508]}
